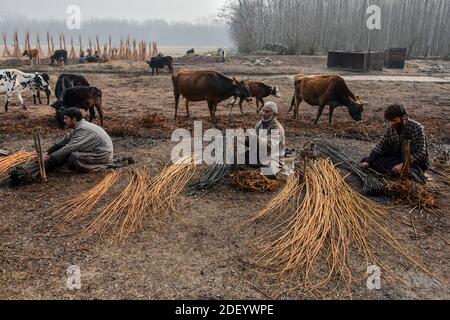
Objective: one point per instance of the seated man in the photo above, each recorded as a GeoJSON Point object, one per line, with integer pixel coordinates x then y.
{"type": "Point", "coordinates": [85, 148]}
{"type": "Point", "coordinates": [387, 157]}
{"type": "Point", "coordinates": [270, 160]}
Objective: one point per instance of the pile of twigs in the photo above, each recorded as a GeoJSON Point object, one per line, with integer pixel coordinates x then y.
{"type": "Point", "coordinates": [253, 181]}
{"type": "Point", "coordinates": [412, 193]}
{"type": "Point", "coordinates": [143, 197]}
{"type": "Point", "coordinates": [212, 176]}
{"type": "Point", "coordinates": [372, 185]}
{"type": "Point", "coordinates": [405, 189]}
{"type": "Point", "coordinates": [9, 162]}
{"type": "Point", "coordinates": [316, 221]}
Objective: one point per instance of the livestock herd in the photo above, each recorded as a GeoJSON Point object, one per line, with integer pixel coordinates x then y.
{"type": "Point", "coordinates": [75, 91]}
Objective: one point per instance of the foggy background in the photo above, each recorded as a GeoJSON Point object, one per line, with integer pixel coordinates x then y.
{"type": "Point", "coordinates": [169, 22]}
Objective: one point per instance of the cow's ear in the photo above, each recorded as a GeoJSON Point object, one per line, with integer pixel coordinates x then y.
{"type": "Point", "coordinates": [235, 81]}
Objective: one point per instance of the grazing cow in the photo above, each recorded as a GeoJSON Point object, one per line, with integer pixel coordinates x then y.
{"type": "Point", "coordinates": [33, 54]}
{"type": "Point", "coordinates": [66, 81]}
{"type": "Point", "coordinates": [13, 81]}
{"type": "Point", "coordinates": [160, 63]}
{"type": "Point", "coordinates": [259, 90]}
{"type": "Point", "coordinates": [211, 86]}
{"type": "Point", "coordinates": [59, 56]}
{"type": "Point", "coordinates": [37, 93]}
{"type": "Point", "coordinates": [326, 90]}
{"type": "Point", "coordinates": [87, 98]}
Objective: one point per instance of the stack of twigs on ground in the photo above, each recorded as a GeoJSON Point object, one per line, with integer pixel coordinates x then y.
{"type": "Point", "coordinates": [371, 184]}
{"type": "Point", "coordinates": [9, 162]}
{"type": "Point", "coordinates": [141, 198]}
{"type": "Point", "coordinates": [253, 181]}
{"type": "Point", "coordinates": [317, 221]}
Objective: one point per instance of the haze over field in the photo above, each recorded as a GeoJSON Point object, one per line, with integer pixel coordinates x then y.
{"type": "Point", "coordinates": [170, 22]}
{"type": "Point", "coordinates": [170, 10]}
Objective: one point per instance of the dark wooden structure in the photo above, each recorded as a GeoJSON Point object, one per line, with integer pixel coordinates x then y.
{"type": "Point", "coordinates": [395, 58]}
{"type": "Point", "coordinates": [356, 61]}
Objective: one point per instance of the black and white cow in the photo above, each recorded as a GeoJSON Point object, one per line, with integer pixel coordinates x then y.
{"type": "Point", "coordinates": [13, 81]}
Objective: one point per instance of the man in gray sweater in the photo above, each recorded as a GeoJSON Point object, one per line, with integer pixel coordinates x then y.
{"type": "Point", "coordinates": [85, 148]}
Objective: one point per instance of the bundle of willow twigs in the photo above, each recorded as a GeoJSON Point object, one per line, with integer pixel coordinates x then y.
{"type": "Point", "coordinates": [166, 186]}
{"type": "Point", "coordinates": [126, 212]}
{"type": "Point", "coordinates": [141, 198]}
{"type": "Point", "coordinates": [317, 221]}
{"type": "Point", "coordinates": [372, 186]}
{"type": "Point", "coordinates": [9, 162]}
{"type": "Point", "coordinates": [82, 205]}
{"type": "Point", "coordinates": [25, 174]}
{"type": "Point", "coordinates": [253, 181]}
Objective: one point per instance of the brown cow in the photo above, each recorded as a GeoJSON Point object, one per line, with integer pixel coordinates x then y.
{"type": "Point", "coordinates": [33, 54]}
{"type": "Point", "coordinates": [211, 86]}
{"type": "Point", "coordinates": [326, 90]}
{"type": "Point", "coordinates": [259, 90]}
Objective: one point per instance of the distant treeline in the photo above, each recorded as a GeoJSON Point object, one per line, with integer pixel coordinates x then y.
{"type": "Point", "coordinates": [205, 33]}
{"type": "Point", "coordinates": [316, 26]}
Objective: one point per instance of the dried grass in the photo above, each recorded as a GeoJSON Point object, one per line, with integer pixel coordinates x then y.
{"type": "Point", "coordinates": [317, 221]}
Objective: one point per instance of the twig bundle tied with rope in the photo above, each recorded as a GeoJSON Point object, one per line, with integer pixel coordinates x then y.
{"type": "Point", "coordinates": [316, 222]}
{"type": "Point", "coordinates": [11, 161]}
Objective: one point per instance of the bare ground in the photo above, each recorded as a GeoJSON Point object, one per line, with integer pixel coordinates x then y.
{"type": "Point", "coordinates": [208, 257]}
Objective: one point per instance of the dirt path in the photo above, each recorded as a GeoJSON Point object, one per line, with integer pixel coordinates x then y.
{"type": "Point", "coordinates": [359, 78]}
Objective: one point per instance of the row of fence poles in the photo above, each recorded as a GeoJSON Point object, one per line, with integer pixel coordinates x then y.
{"type": "Point", "coordinates": [128, 49]}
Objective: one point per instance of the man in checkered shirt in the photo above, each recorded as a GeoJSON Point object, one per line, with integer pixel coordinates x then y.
{"type": "Point", "coordinates": [85, 148]}
{"type": "Point", "coordinates": [387, 156]}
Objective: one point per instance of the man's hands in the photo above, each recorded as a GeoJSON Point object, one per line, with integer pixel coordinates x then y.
{"type": "Point", "coordinates": [398, 169]}
{"type": "Point", "coordinates": [364, 166]}
{"type": "Point", "coordinates": [46, 157]}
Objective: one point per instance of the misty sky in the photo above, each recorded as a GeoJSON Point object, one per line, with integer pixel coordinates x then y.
{"type": "Point", "coordinates": [171, 10]}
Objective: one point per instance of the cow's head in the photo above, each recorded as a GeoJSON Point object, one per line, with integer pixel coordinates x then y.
{"type": "Point", "coordinates": [40, 83]}
{"type": "Point", "coordinates": [276, 92]}
{"type": "Point", "coordinates": [60, 117]}
{"type": "Point", "coordinates": [242, 89]}
{"type": "Point", "coordinates": [25, 53]}
{"type": "Point", "coordinates": [356, 108]}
